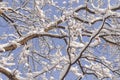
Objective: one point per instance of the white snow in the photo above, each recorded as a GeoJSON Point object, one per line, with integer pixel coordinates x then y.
{"type": "Point", "coordinates": [76, 44]}
{"type": "Point", "coordinates": [1, 48]}
{"type": "Point", "coordinates": [95, 42]}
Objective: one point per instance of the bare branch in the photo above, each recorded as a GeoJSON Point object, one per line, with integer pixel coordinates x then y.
{"type": "Point", "coordinates": [82, 51]}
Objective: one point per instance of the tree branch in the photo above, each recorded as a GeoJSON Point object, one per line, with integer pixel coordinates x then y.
{"type": "Point", "coordinates": [8, 74]}
{"type": "Point", "coordinates": [62, 19]}
{"type": "Point", "coordinates": [16, 43]}
{"type": "Point", "coordinates": [87, 45]}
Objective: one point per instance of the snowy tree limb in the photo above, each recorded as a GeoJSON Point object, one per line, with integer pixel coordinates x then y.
{"type": "Point", "coordinates": [23, 40]}
{"type": "Point", "coordinates": [8, 74]}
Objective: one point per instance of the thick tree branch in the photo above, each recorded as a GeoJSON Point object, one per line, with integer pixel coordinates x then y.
{"type": "Point", "coordinates": [13, 45]}
{"type": "Point", "coordinates": [8, 74]}
{"type": "Point", "coordinates": [114, 8]}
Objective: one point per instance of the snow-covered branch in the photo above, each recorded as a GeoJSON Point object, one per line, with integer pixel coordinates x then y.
{"type": "Point", "coordinates": [23, 40]}
{"type": "Point", "coordinates": [87, 45]}
{"type": "Point", "coordinates": [8, 73]}
{"type": "Point", "coordinates": [63, 18]}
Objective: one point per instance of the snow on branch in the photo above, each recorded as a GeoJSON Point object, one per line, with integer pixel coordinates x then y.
{"type": "Point", "coordinates": [53, 25]}
{"type": "Point", "coordinates": [104, 10]}
{"type": "Point", "coordinates": [8, 73]}
{"type": "Point", "coordinates": [116, 7]}
{"type": "Point", "coordinates": [16, 43]}
{"type": "Point", "coordinates": [96, 19]}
